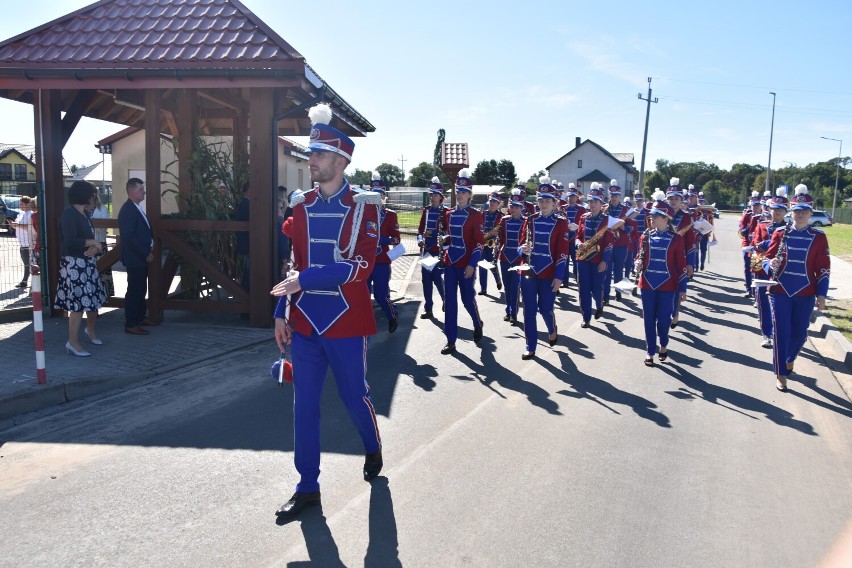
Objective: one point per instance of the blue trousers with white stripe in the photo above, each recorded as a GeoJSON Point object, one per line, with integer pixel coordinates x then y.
{"type": "Point", "coordinates": [657, 312]}
{"type": "Point", "coordinates": [538, 298]}
{"type": "Point", "coordinates": [748, 273]}
{"type": "Point", "coordinates": [512, 285]}
{"type": "Point", "coordinates": [434, 277]}
{"type": "Point", "coordinates": [312, 356]}
{"type": "Point", "coordinates": [590, 285]}
{"type": "Point", "coordinates": [790, 320]}
{"type": "Point", "coordinates": [454, 280]}
{"type": "Point", "coordinates": [488, 254]}
{"type": "Point", "coordinates": [764, 313]}
{"type": "Point", "coordinates": [379, 284]}
{"type": "Point", "coordinates": [615, 271]}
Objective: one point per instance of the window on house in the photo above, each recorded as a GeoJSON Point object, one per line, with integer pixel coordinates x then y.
{"type": "Point", "coordinates": [5, 172]}
{"type": "Point", "coordinates": [579, 163]}
{"type": "Point", "coordinates": [20, 172]}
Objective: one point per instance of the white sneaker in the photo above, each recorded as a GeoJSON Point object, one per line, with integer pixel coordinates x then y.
{"type": "Point", "coordinates": [767, 342]}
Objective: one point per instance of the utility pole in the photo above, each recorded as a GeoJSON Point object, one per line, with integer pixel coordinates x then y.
{"type": "Point", "coordinates": [771, 131]}
{"type": "Point", "coordinates": [402, 161]}
{"type": "Point", "coordinates": [836, 175]}
{"type": "Point", "coordinates": [645, 139]}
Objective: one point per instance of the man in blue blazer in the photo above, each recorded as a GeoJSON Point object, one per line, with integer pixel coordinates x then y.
{"type": "Point", "coordinates": [137, 242]}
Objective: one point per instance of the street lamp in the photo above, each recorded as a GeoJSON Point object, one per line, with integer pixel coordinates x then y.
{"type": "Point", "coordinates": [836, 175]}
{"type": "Point", "coordinates": [771, 131]}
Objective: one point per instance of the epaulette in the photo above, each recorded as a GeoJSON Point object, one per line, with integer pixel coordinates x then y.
{"type": "Point", "coordinates": [365, 196]}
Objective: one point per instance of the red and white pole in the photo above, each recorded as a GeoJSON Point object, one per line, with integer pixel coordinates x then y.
{"type": "Point", "coordinates": [38, 324]}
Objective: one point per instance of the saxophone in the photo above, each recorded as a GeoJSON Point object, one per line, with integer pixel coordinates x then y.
{"type": "Point", "coordinates": [590, 247]}
{"type": "Point", "coordinates": [782, 252]}
{"type": "Point", "coordinates": [640, 265]}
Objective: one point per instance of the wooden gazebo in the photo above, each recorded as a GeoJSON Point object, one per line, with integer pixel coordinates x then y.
{"type": "Point", "coordinates": [183, 68]}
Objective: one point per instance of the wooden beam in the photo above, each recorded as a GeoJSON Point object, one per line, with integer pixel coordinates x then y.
{"type": "Point", "coordinates": [79, 106]}
{"type": "Point", "coordinates": [263, 208]}
{"type": "Point", "coordinates": [154, 197]}
{"type": "Point", "coordinates": [203, 225]}
{"type": "Point", "coordinates": [224, 99]}
{"type": "Point", "coordinates": [187, 128]}
{"type": "Point", "coordinates": [170, 121]}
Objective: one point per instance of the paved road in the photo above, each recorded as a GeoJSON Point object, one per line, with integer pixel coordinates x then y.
{"type": "Point", "coordinates": [582, 457]}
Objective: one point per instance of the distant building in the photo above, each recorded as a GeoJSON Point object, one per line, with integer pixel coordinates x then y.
{"type": "Point", "coordinates": [589, 162]}
{"type": "Point", "coordinates": [17, 170]}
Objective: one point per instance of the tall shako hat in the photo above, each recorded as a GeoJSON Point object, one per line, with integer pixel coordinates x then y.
{"type": "Point", "coordinates": [463, 181]}
{"type": "Point", "coordinates": [755, 198]}
{"type": "Point", "coordinates": [436, 187]}
{"type": "Point", "coordinates": [700, 197]}
{"type": "Point", "coordinates": [674, 189]}
{"type": "Point", "coordinates": [660, 206]}
{"type": "Point", "coordinates": [572, 189]}
{"type": "Point", "coordinates": [521, 186]}
{"type": "Point", "coordinates": [780, 199]}
{"type": "Point", "coordinates": [545, 188]}
{"type": "Point", "coordinates": [495, 197]}
{"type": "Point", "coordinates": [613, 188]}
{"type": "Point", "coordinates": [515, 198]}
{"type": "Point", "coordinates": [691, 191]}
{"type": "Point", "coordinates": [801, 199]}
{"type": "Point", "coordinates": [325, 138]}
{"type": "Point", "coordinates": [637, 196]}
{"type": "Point", "coordinates": [596, 192]}
{"type": "Point", "coordinates": [376, 184]}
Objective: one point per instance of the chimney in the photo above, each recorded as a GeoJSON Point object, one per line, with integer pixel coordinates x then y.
{"type": "Point", "coordinates": [577, 142]}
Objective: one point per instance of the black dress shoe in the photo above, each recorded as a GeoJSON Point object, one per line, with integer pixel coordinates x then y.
{"type": "Point", "coordinates": [448, 348]}
{"type": "Point", "coordinates": [136, 330]}
{"type": "Point", "coordinates": [664, 355]}
{"type": "Point", "coordinates": [482, 293]}
{"type": "Point", "coordinates": [598, 313]}
{"type": "Point", "coordinates": [553, 341]}
{"type": "Point", "coordinates": [673, 324]}
{"type": "Point", "coordinates": [297, 503]}
{"type": "Point", "coordinates": [426, 315]}
{"type": "Point", "coordinates": [606, 301]}
{"type": "Point", "coordinates": [477, 332]}
{"type": "Point", "coordinates": [617, 296]}
{"type": "Point", "coordinates": [392, 325]}
{"type": "Point", "coordinates": [514, 320]}
{"type": "Point", "coordinates": [499, 286]}
{"type": "Point", "coordinates": [585, 323]}
{"type": "Point", "coordinates": [528, 355]}
{"type": "Point", "coordinates": [507, 317]}
{"type": "Point", "coordinates": [372, 465]}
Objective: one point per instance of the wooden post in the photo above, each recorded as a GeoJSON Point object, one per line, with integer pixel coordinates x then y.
{"type": "Point", "coordinates": [152, 200]}
{"type": "Point", "coordinates": [187, 126]}
{"type": "Point", "coordinates": [262, 209]}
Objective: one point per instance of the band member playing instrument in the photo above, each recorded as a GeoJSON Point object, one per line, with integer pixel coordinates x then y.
{"type": "Point", "coordinates": [389, 237]}
{"type": "Point", "coordinates": [545, 237]}
{"type": "Point", "coordinates": [662, 269]}
{"type": "Point", "coordinates": [799, 261]}
{"type": "Point", "coordinates": [641, 223]}
{"type": "Point", "coordinates": [573, 211]}
{"type": "Point", "coordinates": [760, 242]}
{"type": "Point", "coordinates": [615, 272]}
{"type": "Point", "coordinates": [593, 258]}
{"type": "Point", "coordinates": [682, 222]}
{"type": "Point", "coordinates": [695, 214]}
{"type": "Point", "coordinates": [464, 225]}
{"type": "Point", "coordinates": [510, 254]}
{"type": "Point", "coordinates": [491, 228]}
{"type": "Point", "coordinates": [335, 236]}
{"type": "Point", "coordinates": [755, 209]}
{"type": "Point", "coordinates": [429, 235]}
{"type": "Point", "coordinates": [707, 215]}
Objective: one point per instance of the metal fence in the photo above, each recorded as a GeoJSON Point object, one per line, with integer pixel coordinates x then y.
{"type": "Point", "coordinates": [11, 273]}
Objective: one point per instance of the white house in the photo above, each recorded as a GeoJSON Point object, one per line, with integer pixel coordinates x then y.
{"type": "Point", "coordinates": [589, 162]}
{"type": "Point", "coordinates": [127, 148]}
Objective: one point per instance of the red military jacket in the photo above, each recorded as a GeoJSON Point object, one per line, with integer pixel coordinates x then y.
{"type": "Point", "coordinates": [464, 227]}
{"type": "Point", "coordinates": [760, 240]}
{"type": "Point", "coordinates": [605, 242]}
{"type": "Point", "coordinates": [806, 264]}
{"type": "Point", "coordinates": [334, 299]}
{"type": "Point", "coordinates": [549, 256]}
{"type": "Point", "coordinates": [622, 237]}
{"type": "Point", "coordinates": [388, 235]}
{"type": "Point", "coordinates": [663, 261]}
{"type": "Point", "coordinates": [745, 224]}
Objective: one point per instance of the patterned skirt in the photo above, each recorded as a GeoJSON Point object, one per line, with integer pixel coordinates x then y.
{"type": "Point", "coordinates": [80, 287]}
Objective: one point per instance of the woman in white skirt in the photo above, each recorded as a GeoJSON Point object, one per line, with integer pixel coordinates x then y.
{"type": "Point", "coordinates": [80, 288]}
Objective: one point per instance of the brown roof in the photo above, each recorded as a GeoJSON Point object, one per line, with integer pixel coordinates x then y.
{"type": "Point", "coordinates": [155, 33]}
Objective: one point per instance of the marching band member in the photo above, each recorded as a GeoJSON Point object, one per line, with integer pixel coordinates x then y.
{"type": "Point", "coordinates": [491, 229]}
{"type": "Point", "coordinates": [760, 243]}
{"type": "Point", "coordinates": [335, 237]}
{"type": "Point", "coordinates": [798, 259]}
{"type": "Point", "coordinates": [465, 249]}
{"type": "Point", "coordinates": [707, 215]}
{"type": "Point", "coordinates": [573, 211]}
{"type": "Point", "coordinates": [692, 203]}
{"type": "Point", "coordinates": [662, 270]}
{"type": "Point", "coordinates": [510, 255]}
{"type": "Point", "coordinates": [682, 222]}
{"type": "Point", "coordinates": [593, 259]}
{"type": "Point", "coordinates": [529, 208]}
{"type": "Point", "coordinates": [545, 237]}
{"type": "Point", "coordinates": [616, 209]}
{"type": "Point", "coordinates": [641, 221]}
{"type": "Point", "coordinates": [744, 229]}
{"type": "Point", "coordinates": [429, 234]}
{"type": "Point", "coordinates": [389, 237]}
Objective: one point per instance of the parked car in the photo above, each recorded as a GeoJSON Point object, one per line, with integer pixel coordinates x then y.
{"type": "Point", "coordinates": [818, 218]}
{"type": "Point", "coordinates": [10, 206]}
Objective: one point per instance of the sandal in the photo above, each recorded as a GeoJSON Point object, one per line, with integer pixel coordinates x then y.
{"type": "Point", "coordinates": [649, 361]}
{"type": "Point", "coordinates": [664, 355]}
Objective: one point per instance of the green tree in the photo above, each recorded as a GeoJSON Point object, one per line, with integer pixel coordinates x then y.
{"type": "Point", "coordinates": [436, 160]}
{"type": "Point", "coordinates": [421, 174]}
{"type": "Point", "coordinates": [391, 174]}
{"type": "Point", "coordinates": [532, 182]}
{"type": "Point", "coordinates": [360, 177]}
{"type": "Point", "coordinates": [506, 173]}
{"type": "Point", "coordinates": [485, 172]}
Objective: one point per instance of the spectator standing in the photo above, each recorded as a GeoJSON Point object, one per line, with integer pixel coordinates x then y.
{"type": "Point", "coordinates": [137, 243]}
{"type": "Point", "coordinates": [24, 231]}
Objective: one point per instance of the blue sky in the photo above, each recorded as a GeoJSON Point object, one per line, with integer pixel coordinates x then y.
{"type": "Point", "coordinates": [521, 80]}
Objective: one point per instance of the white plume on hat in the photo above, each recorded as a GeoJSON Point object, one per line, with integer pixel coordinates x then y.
{"type": "Point", "coordinates": [767, 193]}
{"type": "Point", "coordinates": [595, 185]}
{"type": "Point", "coordinates": [544, 180]}
{"type": "Point", "coordinates": [435, 179]}
{"type": "Point", "coordinates": [674, 181]}
{"type": "Point", "coordinates": [781, 192]}
{"type": "Point", "coordinates": [691, 186]}
{"type": "Point", "coordinates": [613, 182]}
{"type": "Point", "coordinates": [516, 192]}
{"type": "Point", "coordinates": [658, 195]}
{"type": "Point", "coordinates": [801, 189]}
{"type": "Point", "coordinates": [555, 182]}
{"type": "Point", "coordinates": [755, 194]}
{"type": "Point", "coordinates": [320, 114]}
{"type": "Point", "coordinates": [572, 186]}
{"type": "Point", "coordinates": [377, 176]}
{"type": "Point", "coordinates": [464, 173]}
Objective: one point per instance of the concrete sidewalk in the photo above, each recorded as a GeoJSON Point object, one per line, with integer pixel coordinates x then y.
{"type": "Point", "coordinates": [183, 340]}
